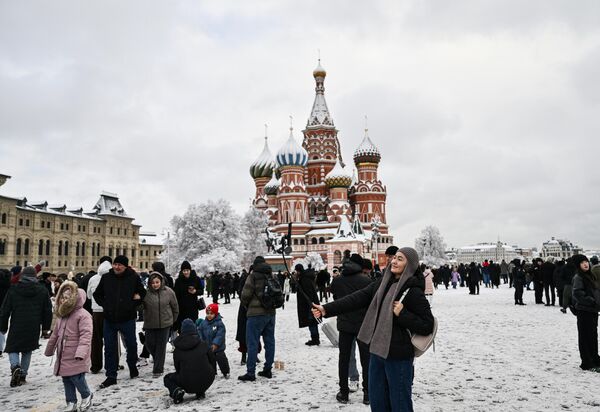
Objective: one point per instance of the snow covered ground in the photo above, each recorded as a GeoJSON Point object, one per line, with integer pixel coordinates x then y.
{"type": "Point", "coordinates": [490, 356]}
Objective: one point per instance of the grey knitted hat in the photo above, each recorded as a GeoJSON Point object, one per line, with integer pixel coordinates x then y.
{"type": "Point", "coordinates": [28, 272]}
{"type": "Point", "coordinates": [412, 258]}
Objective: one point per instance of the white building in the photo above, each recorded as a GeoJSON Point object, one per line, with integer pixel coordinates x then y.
{"type": "Point", "coordinates": [486, 251]}
{"type": "Point", "coordinates": [559, 249]}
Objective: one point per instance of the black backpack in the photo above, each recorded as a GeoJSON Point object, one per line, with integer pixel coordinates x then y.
{"type": "Point", "coordinates": [272, 295]}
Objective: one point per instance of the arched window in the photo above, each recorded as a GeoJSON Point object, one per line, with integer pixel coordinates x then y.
{"type": "Point", "coordinates": [66, 249]}
{"type": "Point", "coordinates": [313, 241]}
{"type": "Point", "coordinates": [98, 249]}
{"type": "Point", "coordinates": [2, 247]}
{"type": "Point", "coordinates": [60, 247]}
{"type": "Point", "coordinates": [3, 218]}
{"type": "Point", "coordinates": [26, 248]}
{"type": "Point", "coordinates": [321, 240]}
{"type": "Point", "coordinates": [77, 249]}
{"type": "Point", "coordinates": [295, 241]}
{"type": "Point", "coordinates": [47, 247]}
{"type": "Point", "coordinates": [41, 247]}
{"type": "Point", "coordinates": [82, 248]}
{"type": "Point", "coordinates": [110, 251]}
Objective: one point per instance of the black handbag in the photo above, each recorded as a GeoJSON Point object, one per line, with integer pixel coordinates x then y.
{"type": "Point", "coordinates": [201, 304]}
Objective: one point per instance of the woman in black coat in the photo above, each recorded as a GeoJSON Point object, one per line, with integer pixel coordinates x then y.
{"type": "Point", "coordinates": [386, 328]}
{"type": "Point", "coordinates": [187, 289]}
{"type": "Point", "coordinates": [306, 283]}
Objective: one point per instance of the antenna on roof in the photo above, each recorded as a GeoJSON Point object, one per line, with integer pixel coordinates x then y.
{"type": "Point", "coordinates": [291, 122]}
{"type": "Point", "coordinates": [266, 131]}
{"type": "Point", "coordinates": [366, 124]}
{"type": "Point", "coordinates": [319, 54]}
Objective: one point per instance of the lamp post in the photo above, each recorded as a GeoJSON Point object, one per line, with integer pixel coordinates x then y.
{"type": "Point", "coordinates": [375, 223]}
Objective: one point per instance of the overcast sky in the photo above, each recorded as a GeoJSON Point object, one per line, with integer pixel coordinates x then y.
{"type": "Point", "coordinates": [487, 113]}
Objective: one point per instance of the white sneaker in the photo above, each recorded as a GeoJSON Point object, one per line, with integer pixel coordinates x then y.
{"type": "Point", "coordinates": [353, 386]}
{"type": "Point", "coordinates": [86, 403]}
{"type": "Point", "coordinates": [71, 407]}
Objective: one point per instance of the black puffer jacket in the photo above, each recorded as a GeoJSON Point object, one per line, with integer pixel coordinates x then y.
{"type": "Point", "coordinates": [351, 280]}
{"type": "Point", "coordinates": [28, 306]}
{"type": "Point", "coordinates": [115, 294]}
{"type": "Point", "coordinates": [194, 363]}
{"type": "Point", "coordinates": [586, 296]}
{"type": "Point", "coordinates": [416, 315]}
{"type": "Point", "coordinates": [188, 302]}
{"type": "Point", "coordinates": [306, 282]}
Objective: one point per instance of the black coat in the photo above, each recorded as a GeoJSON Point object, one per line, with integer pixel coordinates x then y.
{"type": "Point", "coordinates": [586, 296]}
{"type": "Point", "coordinates": [349, 282]}
{"type": "Point", "coordinates": [4, 284]}
{"type": "Point", "coordinates": [547, 272]}
{"type": "Point", "coordinates": [115, 294]}
{"type": "Point", "coordinates": [416, 315]}
{"type": "Point", "coordinates": [306, 282]}
{"type": "Point", "coordinates": [28, 306]}
{"type": "Point", "coordinates": [194, 362]}
{"type": "Point", "coordinates": [519, 276]}
{"type": "Point", "coordinates": [188, 302]}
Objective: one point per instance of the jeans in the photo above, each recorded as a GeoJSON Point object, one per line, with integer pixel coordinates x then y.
{"type": "Point", "coordinates": [390, 373]}
{"type": "Point", "coordinates": [75, 382]}
{"type": "Point", "coordinates": [97, 342]}
{"type": "Point", "coordinates": [23, 362]}
{"type": "Point", "coordinates": [257, 326]}
{"type": "Point", "coordinates": [111, 359]}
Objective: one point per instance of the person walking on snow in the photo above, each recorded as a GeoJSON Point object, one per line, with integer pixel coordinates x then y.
{"type": "Point", "coordinates": [72, 341]}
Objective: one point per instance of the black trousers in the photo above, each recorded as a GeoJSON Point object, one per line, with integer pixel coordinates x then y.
{"type": "Point", "coordinates": [587, 331]}
{"type": "Point", "coordinates": [518, 293]}
{"type": "Point", "coordinates": [223, 362]}
{"type": "Point", "coordinates": [560, 292]}
{"type": "Point", "coordinates": [156, 344]}
{"type": "Point", "coordinates": [97, 340]}
{"type": "Point", "coordinates": [539, 291]}
{"type": "Point", "coordinates": [346, 341]}
{"type": "Point", "coordinates": [549, 290]}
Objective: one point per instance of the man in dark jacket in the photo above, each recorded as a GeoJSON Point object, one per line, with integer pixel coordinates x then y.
{"type": "Point", "coordinates": [519, 279]}
{"type": "Point", "coordinates": [187, 289]}
{"type": "Point", "coordinates": [195, 365]}
{"type": "Point", "coordinates": [27, 305]}
{"type": "Point", "coordinates": [260, 320]}
{"type": "Point", "coordinates": [538, 281]}
{"type": "Point", "coordinates": [547, 272]}
{"type": "Point", "coordinates": [348, 325]}
{"type": "Point", "coordinates": [306, 283]}
{"type": "Point", "coordinates": [119, 293]}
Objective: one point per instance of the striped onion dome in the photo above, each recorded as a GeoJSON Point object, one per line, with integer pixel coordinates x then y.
{"type": "Point", "coordinates": [272, 186]}
{"type": "Point", "coordinates": [366, 152]}
{"type": "Point", "coordinates": [338, 177]}
{"type": "Point", "coordinates": [291, 153]}
{"type": "Point", "coordinates": [264, 164]}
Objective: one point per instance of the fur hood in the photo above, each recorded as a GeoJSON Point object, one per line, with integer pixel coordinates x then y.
{"type": "Point", "coordinates": [76, 299]}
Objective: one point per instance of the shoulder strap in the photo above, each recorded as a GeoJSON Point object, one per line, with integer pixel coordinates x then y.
{"type": "Point", "coordinates": [404, 294]}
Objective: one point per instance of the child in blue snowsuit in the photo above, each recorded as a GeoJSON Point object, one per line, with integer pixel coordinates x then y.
{"type": "Point", "coordinates": [212, 331]}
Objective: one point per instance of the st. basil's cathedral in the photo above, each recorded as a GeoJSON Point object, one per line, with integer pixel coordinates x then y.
{"type": "Point", "coordinates": [331, 209]}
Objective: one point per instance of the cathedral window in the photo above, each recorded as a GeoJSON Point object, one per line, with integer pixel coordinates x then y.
{"type": "Point", "coordinates": [313, 241]}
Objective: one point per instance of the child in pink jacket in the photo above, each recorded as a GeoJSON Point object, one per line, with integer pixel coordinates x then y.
{"type": "Point", "coordinates": [71, 340]}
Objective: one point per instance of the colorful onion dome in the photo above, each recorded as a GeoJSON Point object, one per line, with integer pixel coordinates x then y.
{"type": "Point", "coordinates": [338, 177]}
{"type": "Point", "coordinates": [264, 164]}
{"type": "Point", "coordinates": [291, 153]}
{"type": "Point", "coordinates": [319, 71]}
{"type": "Point", "coordinates": [273, 185]}
{"type": "Point", "coordinates": [366, 152]}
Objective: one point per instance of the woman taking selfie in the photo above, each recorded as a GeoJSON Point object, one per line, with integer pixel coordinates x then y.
{"type": "Point", "coordinates": [386, 326]}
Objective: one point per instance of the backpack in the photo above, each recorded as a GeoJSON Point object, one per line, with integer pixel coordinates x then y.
{"type": "Point", "coordinates": [272, 295]}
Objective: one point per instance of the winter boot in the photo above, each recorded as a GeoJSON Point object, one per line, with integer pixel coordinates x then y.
{"type": "Point", "coordinates": [86, 403]}
{"type": "Point", "coordinates": [201, 395]}
{"type": "Point", "coordinates": [313, 342]}
{"type": "Point", "coordinates": [22, 380]}
{"type": "Point", "coordinates": [243, 358]}
{"type": "Point", "coordinates": [133, 372]}
{"type": "Point", "coordinates": [178, 395]}
{"type": "Point", "coordinates": [342, 397]}
{"type": "Point", "coordinates": [366, 400]}
{"type": "Point", "coordinates": [15, 378]}
{"type": "Point", "coordinates": [265, 373]}
{"type": "Point", "coordinates": [247, 378]}
{"type": "Point", "coordinates": [108, 382]}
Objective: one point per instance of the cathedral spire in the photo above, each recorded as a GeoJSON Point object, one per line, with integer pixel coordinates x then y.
{"type": "Point", "coordinates": [319, 115]}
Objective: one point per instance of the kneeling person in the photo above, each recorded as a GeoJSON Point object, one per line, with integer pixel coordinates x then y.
{"type": "Point", "coordinates": [194, 365]}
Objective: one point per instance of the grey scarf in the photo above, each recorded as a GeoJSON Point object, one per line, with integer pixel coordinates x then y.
{"type": "Point", "coordinates": [376, 329]}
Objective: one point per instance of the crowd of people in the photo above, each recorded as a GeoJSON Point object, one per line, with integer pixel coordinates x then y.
{"type": "Point", "coordinates": [87, 318]}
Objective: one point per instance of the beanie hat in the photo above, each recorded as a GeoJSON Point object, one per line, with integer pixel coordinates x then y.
{"type": "Point", "coordinates": [187, 326]}
{"type": "Point", "coordinates": [356, 259]}
{"type": "Point", "coordinates": [122, 260]}
{"type": "Point", "coordinates": [577, 259]}
{"type": "Point", "coordinates": [259, 259]}
{"type": "Point", "coordinates": [28, 272]}
{"type": "Point", "coordinates": [214, 308]}
{"type": "Point", "coordinates": [186, 265]}
{"type": "Point", "coordinates": [16, 270]}
{"type": "Point", "coordinates": [391, 251]}
{"type": "Point", "coordinates": [367, 264]}
{"type": "Point", "coordinates": [298, 268]}
{"type": "Point", "coordinates": [412, 258]}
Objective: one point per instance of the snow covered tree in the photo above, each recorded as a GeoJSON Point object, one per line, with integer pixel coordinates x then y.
{"type": "Point", "coordinates": [221, 259]}
{"type": "Point", "coordinates": [204, 234]}
{"type": "Point", "coordinates": [431, 247]}
{"type": "Point", "coordinates": [312, 259]}
{"type": "Point", "coordinates": [254, 224]}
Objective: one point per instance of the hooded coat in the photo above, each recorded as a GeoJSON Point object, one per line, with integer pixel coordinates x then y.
{"type": "Point", "coordinates": [306, 282]}
{"type": "Point", "coordinates": [72, 336]}
{"type": "Point", "coordinates": [160, 306]}
{"type": "Point", "coordinates": [586, 295]}
{"type": "Point", "coordinates": [351, 280]}
{"type": "Point", "coordinates": [103, 269]}
{"type": "Point", "coordinates": [188, 302]}
{"type": "Point", "coordinates": [194, 362]}
{"type": "Point", "coordinates": [27, 305]}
